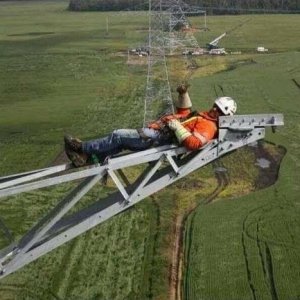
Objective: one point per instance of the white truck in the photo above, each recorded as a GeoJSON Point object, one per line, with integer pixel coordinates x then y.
{"type": "Point", "coordinates": [262, 49]}
{"type": "Point", "coordinates": [218, 51]}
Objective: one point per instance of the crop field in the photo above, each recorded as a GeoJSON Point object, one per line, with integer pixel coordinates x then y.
{"type": "Point", "coordinates": [248, 247]}
{"type": "Point", "coordinates": [65, 72]}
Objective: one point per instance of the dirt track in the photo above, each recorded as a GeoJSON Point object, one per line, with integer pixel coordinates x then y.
{"type": "Point", "coordinates": [177, 253]}
{"type": "Point", "coordinates": [267, 177]}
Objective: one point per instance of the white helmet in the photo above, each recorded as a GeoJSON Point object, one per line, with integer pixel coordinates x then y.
{"type": "Point", "coordinates": [227, 105]}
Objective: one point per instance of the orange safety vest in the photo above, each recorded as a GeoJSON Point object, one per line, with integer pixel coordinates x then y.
{"type": "Point", "coordinates": [181, 113]}
{"type": "Point", "coordinates": [203, 129]}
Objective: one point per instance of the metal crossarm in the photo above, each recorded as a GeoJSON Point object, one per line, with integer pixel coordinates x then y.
{"type": "Point", "coordinates": [166, 164]}
{"type": "Point", "coordinates": [13, 180]}
{"type": "Point", "coordinates": [251, 121]}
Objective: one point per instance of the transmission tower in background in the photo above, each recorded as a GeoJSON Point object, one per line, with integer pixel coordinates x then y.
{"type": "Point", "coordinates": [168, 33]}
{"type": "Point", "coordinates": [180, 31]}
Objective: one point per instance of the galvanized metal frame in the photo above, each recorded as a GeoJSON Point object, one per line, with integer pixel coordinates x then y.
{"type": "Point", "coordinates": [166, 164]}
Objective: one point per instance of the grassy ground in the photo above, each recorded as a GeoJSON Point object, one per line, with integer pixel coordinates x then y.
{"type": "Point", "coordinates": [248, 247]}
{"type": "Point", "coordinates": [54, 70]}
{"type": "Point", "coordinates": [61, 72]}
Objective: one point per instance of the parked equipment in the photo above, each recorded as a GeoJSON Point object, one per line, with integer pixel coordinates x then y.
{"type": "Point", "coordinates": [214, 43]}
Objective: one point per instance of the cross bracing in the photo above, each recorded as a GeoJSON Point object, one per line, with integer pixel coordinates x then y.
{"type": "Point", "coordinates": [184, 38]}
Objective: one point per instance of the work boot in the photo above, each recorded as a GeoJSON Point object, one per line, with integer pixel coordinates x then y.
{"type": "Point", "coordinates": [73, 144]}
{"type": "Point", "coordinates": [77, 159]}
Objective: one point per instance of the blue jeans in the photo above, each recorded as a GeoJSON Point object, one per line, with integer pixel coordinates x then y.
{"type": "Point", "coordinates": [125, 139]}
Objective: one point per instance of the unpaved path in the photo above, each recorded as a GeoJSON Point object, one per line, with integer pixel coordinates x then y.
{"type": "Point", "coordinates": [177, 252]}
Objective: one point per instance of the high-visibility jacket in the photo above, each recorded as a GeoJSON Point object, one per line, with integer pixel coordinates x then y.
{"type": "Point", "coordinates": [203, 128]}
{"type": "Point", "coordinates": [181, 113]}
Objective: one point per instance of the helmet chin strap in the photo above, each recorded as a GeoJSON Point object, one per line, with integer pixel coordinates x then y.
{"type": "Point", "coordinates": [215, 113]}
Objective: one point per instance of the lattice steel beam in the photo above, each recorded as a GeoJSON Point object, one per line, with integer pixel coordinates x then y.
{"type": "Point", "coordinates": [166, 164]}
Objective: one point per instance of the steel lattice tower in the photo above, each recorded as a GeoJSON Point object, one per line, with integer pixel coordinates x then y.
{"type": "Point", "coordinates": [164, 18]}
{"type": "Point", "coordinates": [158, 92]}
{"type": "Point", "coordinates": [179, 39]}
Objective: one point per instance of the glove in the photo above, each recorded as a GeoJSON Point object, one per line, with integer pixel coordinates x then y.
{"type": "Point", "coordinates": [182, 88]}
{"type": "Point", "coordinates": [174, 124]}
{"type": "Point", "coordinates": [181, 133]}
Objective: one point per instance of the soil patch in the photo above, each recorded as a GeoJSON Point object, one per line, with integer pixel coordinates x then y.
{"type": "Point", "coordinates": [268, 159]}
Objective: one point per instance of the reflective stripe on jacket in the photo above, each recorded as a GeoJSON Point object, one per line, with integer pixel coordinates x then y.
{"type": "Point", "coordinates": [203, 129]}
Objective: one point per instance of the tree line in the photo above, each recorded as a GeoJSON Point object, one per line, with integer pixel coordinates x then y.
{"type": "Point", "coordinates": [211, 6]}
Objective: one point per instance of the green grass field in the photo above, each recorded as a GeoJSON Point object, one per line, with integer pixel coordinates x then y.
{"type": "Point", "coordinates": [248, 247]}
{"type": "Point", "coordinates": [61, 72]}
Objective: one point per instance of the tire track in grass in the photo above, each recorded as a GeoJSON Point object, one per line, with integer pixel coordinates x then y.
{"type": "Point", "coordinates": [13, 287]}
{"type": "Point", "coordinates": [111, 255]}
{"type": "Point", "coordinates": [249, 276]}
{"type": "Point", "coordinates": [223, 180]}
{"type": "Point", "coordinates": [275, 106]}
{"type": "Point", "coordinates": [68, 263]}
{"type": "Point", "coordinates": [271, 241]}
{"type": "Point", "coordinates": [296, 82]}
{"type": "Point", "coordinates": [260, 251]}
{"type": "Point", "coordinates": [265, 254]}
{"type": "Point", "coordinates": [271, 273]}
{"type": "Point", "coordinates": [18, 289]}
{"type": "Point", "coordinates": [176, 253]}
{"type": "Point", "coordinates": [259, 242]}
{"type": "Point", "coordinates": [267, 265]}
{"type": "Point", "coordinates": [245, 234]}
{"type": "Point", "coordinates": [188, 239]}
{"type": "Point", "coordinates": [263, 244]}
{"type": "Point", "coordinates": [154, 250]}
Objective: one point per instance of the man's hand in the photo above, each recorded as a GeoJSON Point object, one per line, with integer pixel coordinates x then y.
{"type": "Point", "coordinates": [181, 133]}
{"type": "Point", "coordinates": [182, 88]}
{"type": "Point", "coordinates": [174, 125]}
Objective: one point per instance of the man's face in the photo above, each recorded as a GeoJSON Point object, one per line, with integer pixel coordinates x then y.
{"type": "Point", "coordinates": [215, 112]}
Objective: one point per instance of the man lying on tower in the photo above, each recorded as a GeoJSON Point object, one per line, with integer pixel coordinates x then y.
{"type": "Point", "coordinates": [190, 129]}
